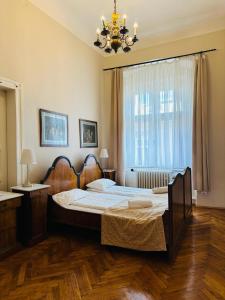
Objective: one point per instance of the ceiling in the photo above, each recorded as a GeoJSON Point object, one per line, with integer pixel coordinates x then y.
{"type": "Point", "coordinates": [159, 20]}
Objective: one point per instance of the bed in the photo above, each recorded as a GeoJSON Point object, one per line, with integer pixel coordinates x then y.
{"type": "Point", "coordinates": [61, 176]}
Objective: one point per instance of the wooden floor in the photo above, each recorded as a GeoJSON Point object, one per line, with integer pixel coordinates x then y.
{"type": "Point", "coordinates": [74, 266]}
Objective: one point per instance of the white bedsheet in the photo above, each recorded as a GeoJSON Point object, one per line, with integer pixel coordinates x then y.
{"type": "Point", "coordinates": [129, 192]}
{"type": "Point", "coordinates": [99, 201]}
{"type": "Point", "coordinates": [93, 202]}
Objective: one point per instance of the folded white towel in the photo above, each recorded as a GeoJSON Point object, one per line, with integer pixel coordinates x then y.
{"type": "Point", "coordinates": [139, 203]}
{"type": "Point", "coordinates": [160, 190]}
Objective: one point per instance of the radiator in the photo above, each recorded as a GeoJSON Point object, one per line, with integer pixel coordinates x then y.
{"type": "Point", "coordinates": [150, 179]}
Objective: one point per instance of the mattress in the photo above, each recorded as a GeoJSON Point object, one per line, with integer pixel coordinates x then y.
{"type": "Point", "coordinates": [98, 202]}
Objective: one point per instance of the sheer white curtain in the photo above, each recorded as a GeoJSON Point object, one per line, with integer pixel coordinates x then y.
{"type": "Point", "coordinates": [158, 100]}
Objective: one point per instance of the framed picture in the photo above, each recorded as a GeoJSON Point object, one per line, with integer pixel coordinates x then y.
{"type": "Point", "coordinates": [88, 134]}
{"type": "Point", "coordinates": [53, 129]}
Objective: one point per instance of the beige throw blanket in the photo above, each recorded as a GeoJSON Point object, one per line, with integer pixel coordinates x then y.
{"type": "Point", "coordinates": [138, 229]}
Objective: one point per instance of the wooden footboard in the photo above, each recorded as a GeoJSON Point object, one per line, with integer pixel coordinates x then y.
{"type": "Point", "coordinates": [180, 209]}
{"type": "Point", "coordinates": [187, 195]}
{"type": "Point", "coordinates": [176, 213]}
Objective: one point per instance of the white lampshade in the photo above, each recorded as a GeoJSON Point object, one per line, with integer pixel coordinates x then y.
{"type": "Point", "coordinates": [28, 157]}
{"type": "Point", "coordinates": [104, 153]}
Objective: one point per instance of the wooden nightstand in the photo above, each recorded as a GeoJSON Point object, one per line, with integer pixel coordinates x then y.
{"type": "Point", "coordinates": [9, 204]}
{"type": "Point", "coordinates": [33, 213]}
{"type": "Point", "coordinates": [110, 174]}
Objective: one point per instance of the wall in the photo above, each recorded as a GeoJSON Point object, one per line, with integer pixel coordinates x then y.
{"type": "Point", "coordinates": [216, 66]}
{"type": "Point", "coordinates": [58, 72]}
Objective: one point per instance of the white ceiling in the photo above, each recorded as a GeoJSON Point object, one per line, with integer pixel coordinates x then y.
{"type": "Point", "coordinates": [159, 20]}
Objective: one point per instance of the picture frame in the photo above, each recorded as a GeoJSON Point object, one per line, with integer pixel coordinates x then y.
{"type": "Point", "coordinates": [88, 134]}
{"type": "Point", "coordinates": [54, 131]}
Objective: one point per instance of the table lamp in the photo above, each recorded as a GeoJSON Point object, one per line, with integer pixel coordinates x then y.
{"type": "Point", "coordinates": [104, 155]}
{"type": "Point", "coordinates": [28, 158]}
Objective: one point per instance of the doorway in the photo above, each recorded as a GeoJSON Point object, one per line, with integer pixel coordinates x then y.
{"type": "Point", "coordinates": [3, 143]}
{"type": "Point", "coordinates": [10, 134]}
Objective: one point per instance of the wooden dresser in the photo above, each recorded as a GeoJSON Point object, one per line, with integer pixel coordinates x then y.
{"type": "Point", "coordinates": [9, 204]}
{"type": "Point", "coordinates": [33, 213]}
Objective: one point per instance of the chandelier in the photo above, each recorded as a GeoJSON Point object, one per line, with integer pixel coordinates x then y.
{"type": "Point", "coordinates": [114, 34]}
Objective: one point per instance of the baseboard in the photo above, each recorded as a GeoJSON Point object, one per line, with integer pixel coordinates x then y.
{"type": "Point", "coordinates": [207, 206]}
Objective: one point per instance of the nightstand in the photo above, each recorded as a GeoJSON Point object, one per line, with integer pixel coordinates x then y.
{"type": "Point", "coordinates": [33, 213]}
{"type": "Point", "coordinates": [110, 174]}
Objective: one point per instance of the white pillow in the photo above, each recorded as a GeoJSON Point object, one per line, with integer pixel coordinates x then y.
{"type": "Point", "coordinates": [160, 190]}
{"type": "Point", "coordinates": [70, 196]}
{"type": "Point", "coordinates": [101, 184]}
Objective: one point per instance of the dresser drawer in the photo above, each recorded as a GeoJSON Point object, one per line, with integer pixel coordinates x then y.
{"type": "Point", "coordinates": [10, 204]}
{"type": "Point", "coordinates": [7, 240]}
{"type": "Point", "coordinates": [7, 219]}
{"type": "Point", "coordinates": [8, 225]}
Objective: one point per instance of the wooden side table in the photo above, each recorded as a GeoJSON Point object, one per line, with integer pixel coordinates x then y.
{"type": "Point", "coordinates": [9, 204]}
{"type": "Point", "coordinates": [33, 213]}
{"type": "Point", "coordinates": [110, 174]}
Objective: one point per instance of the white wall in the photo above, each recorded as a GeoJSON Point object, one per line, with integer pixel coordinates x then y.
{"type": "Point", "coordinates": [58, 72]}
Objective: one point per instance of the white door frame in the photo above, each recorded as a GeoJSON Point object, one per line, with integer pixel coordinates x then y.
{"type": "Point", "coordinates": [14, 141]}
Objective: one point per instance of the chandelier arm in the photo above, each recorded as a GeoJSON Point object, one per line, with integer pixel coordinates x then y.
{"type": "Point", "coordinates": [122, 37]}
{"type": "Point", "coordinates": [102, 47]}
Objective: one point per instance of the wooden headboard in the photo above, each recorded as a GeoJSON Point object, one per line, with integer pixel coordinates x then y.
{"type": "Point", "coordinates": [61, 176]}
{"type": "Point", "coordinates": [90, 171]}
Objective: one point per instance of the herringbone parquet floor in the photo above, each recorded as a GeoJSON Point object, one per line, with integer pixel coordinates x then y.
{"type": "Point", "coordinates": [72, 265]}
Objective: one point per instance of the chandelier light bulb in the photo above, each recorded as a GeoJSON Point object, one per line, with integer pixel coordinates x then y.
{"type": "Point", "coordinates": [135, 28]}
{"type": "Point", "coordinates": [98, 31]}
{"type": "Point", "coordinates": [124, 20]}
{"type": "Point", "coordinates": [129, 39]}
{"type": "Point", "coordinates": [103, 20]}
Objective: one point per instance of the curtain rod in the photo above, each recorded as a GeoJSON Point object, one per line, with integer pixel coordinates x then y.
{"type": "Point", "coordinates": [160, 59]}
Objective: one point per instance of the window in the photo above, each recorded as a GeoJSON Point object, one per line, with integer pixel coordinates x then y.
{"type": "Point", "coordinates": [158, 100]}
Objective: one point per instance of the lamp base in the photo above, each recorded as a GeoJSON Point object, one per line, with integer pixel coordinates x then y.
{"type": "Point", "coordinates": [27, 181]}
{"type": "Point", "coordinates": [27, 185]}
{"type": "Point", "coordinates": [103, 163]}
